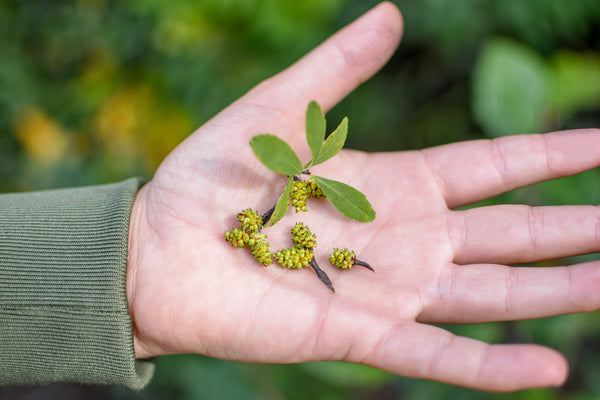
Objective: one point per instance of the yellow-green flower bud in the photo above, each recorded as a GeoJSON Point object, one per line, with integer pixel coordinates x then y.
{"type": "Point", "coordinates": [342, 258]}
{"type": "Point", "coordinates": [294, 258]}
{"type": "Point", "coordinates": [303, 237]}
{"type": "Point", "coordinates": [250, 220]}
{"type": "Point", "coordinates": [315, 190]}
{"type": "Point", "coordinates": [237, 237]}
{"type": "Point", "coordinates": [260, 248]}
{"type": "Point", "coordinates": [299, 195]}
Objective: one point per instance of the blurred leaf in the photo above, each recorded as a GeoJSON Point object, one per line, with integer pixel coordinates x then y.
{"type": "Point", "coordinates": [196, 377]}
{"type": "Point", "coordinates": [42, 138]}
{"type": "Point", "coordinates": [509, 89]}
{"type": "Point", "coordinates": [282, 204]}
{"type": "Point", "coordinates": [347, 374]}
{"type": "Point", "coordinates": [315, 130]}
{"type": "Point", "coordinates": [575, 81]}
{"type": "Point", "coordinates": [276, 154]}
{"type": "Point", "coordinates": [349, 201]}
{"type": "Point", "coordinates": [334, 143]}
{"type": "Point", "coordinates": [134, 122]}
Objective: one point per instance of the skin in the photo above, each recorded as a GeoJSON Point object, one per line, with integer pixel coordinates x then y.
{"type": "Point", "coordinates": [189, 291]}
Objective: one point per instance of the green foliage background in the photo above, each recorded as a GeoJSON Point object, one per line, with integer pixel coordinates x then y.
{"type": "Point", "coordinates": [94, 91]}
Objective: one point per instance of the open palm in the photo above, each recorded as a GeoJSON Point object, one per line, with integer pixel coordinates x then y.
{"type": "Point", "coordinates": [190, 291]}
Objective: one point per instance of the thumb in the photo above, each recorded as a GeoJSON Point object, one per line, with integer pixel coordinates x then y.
{"type": "Point", "coordinates": [326, 74]}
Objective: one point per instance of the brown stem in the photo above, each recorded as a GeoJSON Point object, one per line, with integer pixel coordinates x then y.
{"type": "Point", "coordinates": [363, 264]}
{"type": "Point", "coordinates": [322, 275]}
{"type": "Point", "coordinates": [267, 216]}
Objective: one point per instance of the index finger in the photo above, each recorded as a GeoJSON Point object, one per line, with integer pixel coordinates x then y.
{"type": "Point", "coordinates": [472, 171]}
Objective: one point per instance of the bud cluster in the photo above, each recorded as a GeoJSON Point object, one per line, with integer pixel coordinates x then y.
{"type": "Point", "coordinates": [302, 190]}
{"type": "Point", "coordinates": [342, 258]}
{"type": "Point", "coordinates": [237, 237]}
{"type": "Point", "coordinates": [250, 220]}
{"type": "Point", "coordinates": [315, 190]}
{"type": "Point", "coordinates": [249, 235]}
{"type": "Point", "coordinates": [303, 237]}
{"type": "Point", "coordinates": [294, 258]}
{"type": "Point", "coordinates": [301, 254]}
{"type": "Point", "coordinates": [299, 196]}
{"type": "Point", "coordinates": [260, 248]}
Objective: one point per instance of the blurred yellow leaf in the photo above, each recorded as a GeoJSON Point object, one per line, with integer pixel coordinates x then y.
{"type": "Point", "coordinates": [42, 138]}
{"type": "Point", "coordinates": [135, 123]}
{"type": "Point", "coordinates": [120, 117]}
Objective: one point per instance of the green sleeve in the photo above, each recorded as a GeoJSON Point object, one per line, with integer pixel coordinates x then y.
{"type": "Point", "coordinates": [63, 303]}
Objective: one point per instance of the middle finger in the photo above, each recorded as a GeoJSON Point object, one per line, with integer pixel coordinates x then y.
{"type": "Point", "coordinates": [509, 234]}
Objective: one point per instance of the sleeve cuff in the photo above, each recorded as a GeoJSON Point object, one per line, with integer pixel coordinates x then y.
{"type": "Point", "coordinates": [63, 303]}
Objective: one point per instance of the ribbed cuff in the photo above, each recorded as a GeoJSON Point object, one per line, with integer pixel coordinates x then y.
{"type": "Point", "coordinates": [63, 303]}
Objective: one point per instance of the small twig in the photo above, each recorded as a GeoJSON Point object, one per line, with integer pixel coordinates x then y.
{"type": "Point", "coordinates": [267, 216]}
{"type": "Point", "coordinates": [363, 264]}
{"type": "Point", "coordinates": [322, 275]}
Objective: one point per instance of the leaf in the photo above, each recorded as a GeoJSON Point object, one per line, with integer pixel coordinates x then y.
{"type": "Point", "coordinates": [315, 129]}
{"type": "Point", "coordinates": [276, 154]}
{"type": "Point", "coordinates": [510, 91]}
{"type": "Point", "coordinates": [282, 204]}
{"type": "Point", "coordinates": [334, 142]}
{"type": "Point", "coordinates": [575, 82]}
{"type": "Point", "coordinates": [345, 374]}
{"type": "Point", "coordinates": [349, 201]}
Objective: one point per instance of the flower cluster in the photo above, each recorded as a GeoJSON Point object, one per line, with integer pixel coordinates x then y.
{"type": "Point", "coordinates": [346, 259]}
{"type": "Point", "coordinates": [301, 254]}
{"type": "Point", "coordinates": [260, 248]}
{"type": "Point", "coordinates": [315, 190]}
{"type": "Point", "coordinates": [299, 196]}
{"type": "Point", "coordinates": [303, 237]}
{"type": "Point", "coordinates": [294, 258]}
{"type": "Point", "coordinates": [250, 220]}
{"type": "Point", "coordinates": [248, 235]}
{"type": "Point", "coordinates": [302, 190]}
{"type": "Point", "coordinates": [237, 237]}
{"type": "Point", "coordinates": [342, 258]}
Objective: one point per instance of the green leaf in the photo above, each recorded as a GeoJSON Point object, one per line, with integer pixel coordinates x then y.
{"type": "Point", "coordinates": [334, 143]}
{"type": "Point", "coordinates": [276, 154]}
{"type": "Point", "coordinates": [282, 204]}
{"type": "Point", "coordinates": [315, 129]}
{"type": "Point", "coordinates": [345, 374]}
{"type": "Point", "coordinates": [349, 201]}
{"type": "Point", "coordinates": [510, 92]}
{"type": "Point", "coordinates": [575, 82]}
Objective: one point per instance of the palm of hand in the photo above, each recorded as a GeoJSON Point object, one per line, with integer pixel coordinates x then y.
{"type": "Point", "coordinates": [190, 291]}
{"type": "Point", "coordinates": [276, 314]}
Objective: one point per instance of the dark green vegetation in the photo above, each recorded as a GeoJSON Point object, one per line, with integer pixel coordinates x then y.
{"type": "Point", "coordinates": [89, 88]}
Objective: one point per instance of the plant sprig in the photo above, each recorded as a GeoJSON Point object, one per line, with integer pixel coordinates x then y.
{"type": "Point", "coordinates": [279, 157]}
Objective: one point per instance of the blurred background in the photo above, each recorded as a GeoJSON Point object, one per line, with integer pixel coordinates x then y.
{"type": "Point", "coordinates": [94, 91]}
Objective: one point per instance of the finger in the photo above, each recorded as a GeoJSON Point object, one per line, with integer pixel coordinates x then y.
{"type": "Point", "coordinates": [472, 171]}
{"type": "Point", "coordinates": [486, 292]}
{"type": "Point", "coordinates": [423, 351]}
{"type": "Point", "coordinates": [338, 65]}
{"type": "Point", "coordinates": [326, 74]}
{"type": "Point", "coordinates": [509, 234]}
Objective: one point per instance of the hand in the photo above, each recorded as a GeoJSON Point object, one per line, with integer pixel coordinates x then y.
{"type": "Point", "coordinates": [191, 291]}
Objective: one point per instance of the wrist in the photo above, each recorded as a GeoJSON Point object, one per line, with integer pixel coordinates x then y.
{"type": "Point", "coordinates": [134, 261]}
